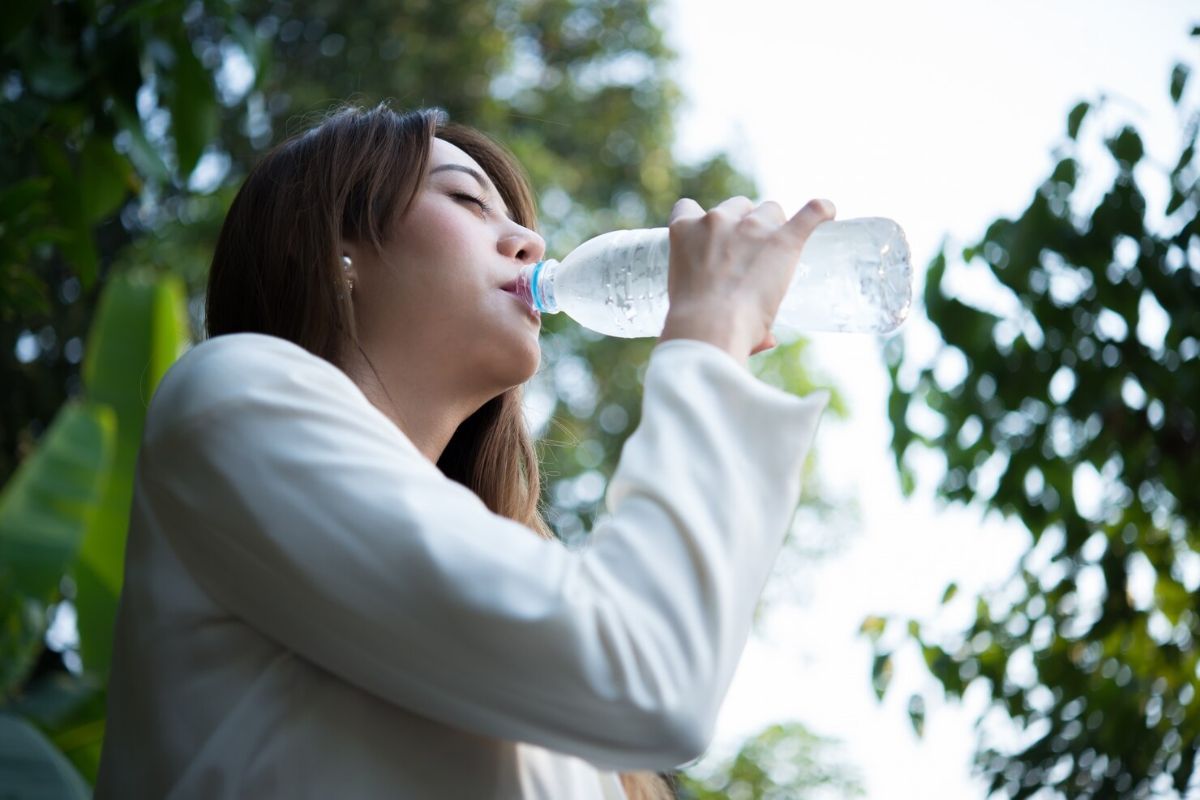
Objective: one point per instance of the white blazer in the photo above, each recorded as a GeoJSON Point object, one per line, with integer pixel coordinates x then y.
{"type": "Point", "coordinates": [311, 609]}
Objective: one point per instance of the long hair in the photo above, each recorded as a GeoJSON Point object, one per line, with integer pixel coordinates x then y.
{"type": "Point", "coordinates": [277, 271]}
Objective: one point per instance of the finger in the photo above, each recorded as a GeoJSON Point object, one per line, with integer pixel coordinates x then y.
{"type": "Point", "coordinates": [736, 207]}
{"type": "Point", "coordinates": [799, 227]}
{"type": "Point", "coordinates": [686, 207]}
{"type": "Point", "coordinates": [769, 212]}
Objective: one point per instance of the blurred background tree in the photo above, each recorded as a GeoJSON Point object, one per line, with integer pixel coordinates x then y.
{"type": "Point", "coordinates": [780, 762]}
{"type": "Point", "coordinates": [1075, 412]}
{"type": "Point", "coordinates": [125, 130]}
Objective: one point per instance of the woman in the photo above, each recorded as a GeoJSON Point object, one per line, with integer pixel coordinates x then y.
{"type": "Point", "coordinates": [331, 584]}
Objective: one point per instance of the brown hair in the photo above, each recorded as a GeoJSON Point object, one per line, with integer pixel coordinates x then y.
{"type": "Point", "coordinates": [277, 271]}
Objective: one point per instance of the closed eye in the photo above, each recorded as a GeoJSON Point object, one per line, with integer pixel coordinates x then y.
{"type": "Point", "coordinates": [470, 198]}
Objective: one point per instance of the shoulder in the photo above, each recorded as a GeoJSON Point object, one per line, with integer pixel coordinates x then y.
{"type": "Point", "coordinates": [242, 369]}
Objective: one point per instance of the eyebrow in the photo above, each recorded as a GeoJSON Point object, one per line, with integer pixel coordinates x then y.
{"type": "Point", "coordinates": [479, 177]}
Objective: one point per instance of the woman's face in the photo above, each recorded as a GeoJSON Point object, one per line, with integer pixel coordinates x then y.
{"type": "Point", "coordinates": [438, 302]}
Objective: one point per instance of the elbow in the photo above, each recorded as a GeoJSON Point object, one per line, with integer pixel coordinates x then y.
{"type": "Point", "coordinates": [658, 738]}
{"type": "Point", "coordinates": [684, 707]}
{"type": "Point", "coordinates": [654, 670]}
{"type": "Point", "coordinates": [680, 733]}
{"type": "Point", "coordinates": [688, 705]}
{"type": "Point", "coordinates": [685, 738]}
{"type": "Point", "coordinates": [623, 737]}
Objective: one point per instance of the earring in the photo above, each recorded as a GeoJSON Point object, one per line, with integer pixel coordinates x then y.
{"type": "Point", "coordinates": [346, 266]}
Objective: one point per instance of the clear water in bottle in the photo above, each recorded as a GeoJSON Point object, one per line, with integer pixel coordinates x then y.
{"type": "Point", "coordinates": [854, 275]}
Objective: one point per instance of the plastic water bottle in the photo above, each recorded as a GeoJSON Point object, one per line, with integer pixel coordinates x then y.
{"type": "Point", "coordinates": [854, 275]}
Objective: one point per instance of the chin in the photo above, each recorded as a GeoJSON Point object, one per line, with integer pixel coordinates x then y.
{"type": "Point", "coordinates": [531, 363]}
{"type": "Point", "coordinates": [515, 365]}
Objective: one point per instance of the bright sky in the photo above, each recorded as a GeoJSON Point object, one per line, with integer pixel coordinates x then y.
{"type": "Point", "coordinates": [940, 114]}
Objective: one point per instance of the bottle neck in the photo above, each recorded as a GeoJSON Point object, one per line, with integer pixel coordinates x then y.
{"type": "Point", "coordinates": [541, 286]}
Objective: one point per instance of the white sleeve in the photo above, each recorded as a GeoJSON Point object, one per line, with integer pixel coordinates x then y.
{"type": "Point", "coordinates": [299, 511]}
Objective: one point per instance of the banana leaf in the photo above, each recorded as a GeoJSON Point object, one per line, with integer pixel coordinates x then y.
{"type": "Point", "coordinates": [45, 509]}
{"type": "Point", "coordinates": [30, 767]}
{"type": "Point", "coordinates": [140, 329]}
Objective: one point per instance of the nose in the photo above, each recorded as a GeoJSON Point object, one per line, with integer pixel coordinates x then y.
{"type": "Point", "coordinates": [523, 244]}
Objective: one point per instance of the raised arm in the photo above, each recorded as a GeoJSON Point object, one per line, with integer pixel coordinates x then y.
{"type": "Point", "coordinates": [300, 509]}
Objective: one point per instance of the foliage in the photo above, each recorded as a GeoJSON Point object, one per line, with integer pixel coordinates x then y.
{"type": "Point", "coordinates": [64, 516]}
{"type": "Point", "coordinates": [105, 111]}
{"type": "Point", "coordinates": [1076, 414]}
{"type": "Point", "coordinates": [138, 332]}
{"type": "Point", "coordinates": [45, 511]}
{"type": "Point", "coordinates": [781, 762]}
{"type": "Point", "coordinates": [32, 767]}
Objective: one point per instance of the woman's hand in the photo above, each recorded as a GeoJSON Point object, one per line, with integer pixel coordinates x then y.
{"type": "Point", "coordinates": [730, 269]}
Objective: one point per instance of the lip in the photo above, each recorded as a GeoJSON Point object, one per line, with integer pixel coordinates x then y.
{"type": "Point", "coordinates": [510, 289]}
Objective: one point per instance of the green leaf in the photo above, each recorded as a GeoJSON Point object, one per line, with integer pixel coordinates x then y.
{"type": "Point", "coordinates": [104, 179]}
{"type": "Point", "coordinates": [54, 77]}
{"type": "Point", "coordinates": [1172, 599]}
{"type": "Point", "coordinates": [1065, 171]}
{"type": "Point", "coordinates": [148, 10]}
{"type": "Point", "coordinates": [1179, 76]}
{"type": "Point", "coordinates": [1177, 199]}
{"type": "Point", "coordinates": [881, 674]}
{"type": "Point", "coordinates": [1075, 118]}
{"type": "Point", "coordinates": [17, 17]}
{"type": "Point", "coordinates": [22, 292]}
{"type": "Point", "coordinates": [52, 700]}
{"type": "Point", "coordinates": [872, 627]}
{"type": "Point", "coordinates": [30, 767]}
{"type": "Point", "coordinates": [145, 156]}
{"type": "Point", "coordinates": [193, 105]}
{"type": "Point", "coordinates": [948, 595]}
{"type": "Point", "coordinates": [916, 714]}
{"type": "Point", "coordinates": [70, 710]}
{"type": "Point", "coordinates": [17, 197]}
{"type": "Point", "coordinates": [1127, 147]}
{"type": "Point", "coordinates": [139, 330]}
{"type": "Point", "coordinates": [1185, 158]}
{"type": "Point", "coordinates": [66, 200]}
{"type": "Point", "coordinates": [45, 510]}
